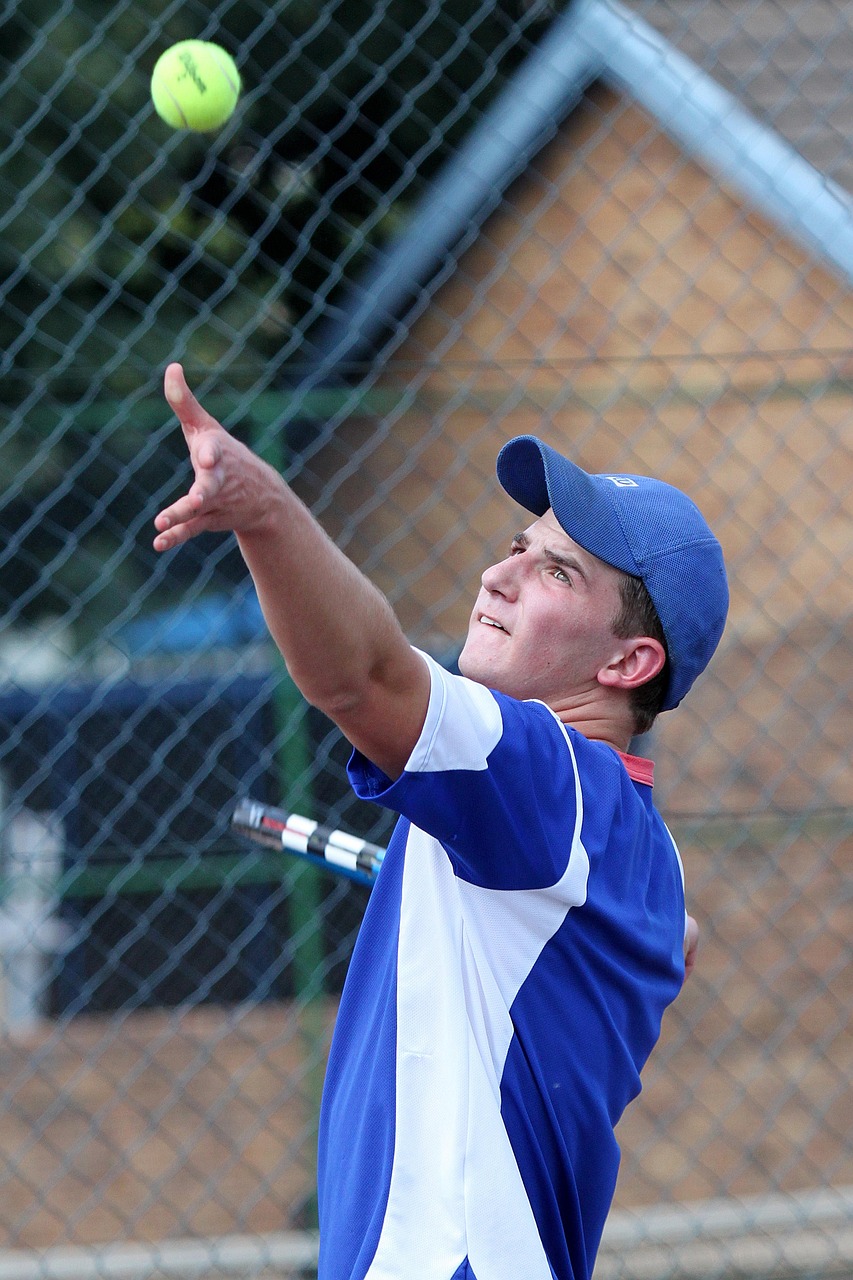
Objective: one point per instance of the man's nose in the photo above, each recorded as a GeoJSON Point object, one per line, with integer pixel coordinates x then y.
{"type": "Point", "coordinates": [502, 578]}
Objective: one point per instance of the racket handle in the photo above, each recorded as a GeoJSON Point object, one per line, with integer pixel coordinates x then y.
{"type": "Point", "coordinates": [338, 850]}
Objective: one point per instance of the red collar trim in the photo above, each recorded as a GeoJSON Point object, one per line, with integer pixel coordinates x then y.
{"type": "Point", "coordinates": [639, 768]}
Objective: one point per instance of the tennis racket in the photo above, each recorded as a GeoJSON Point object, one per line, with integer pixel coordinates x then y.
{"type": "Point", "coordinates": [336, 850]}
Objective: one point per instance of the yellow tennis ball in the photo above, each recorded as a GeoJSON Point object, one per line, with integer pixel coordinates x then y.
{"type": "Point", "coordinates": [195, 85]}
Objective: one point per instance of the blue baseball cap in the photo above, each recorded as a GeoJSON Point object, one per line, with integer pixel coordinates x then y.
{"type": "Point", "coordinates": [642, 526]}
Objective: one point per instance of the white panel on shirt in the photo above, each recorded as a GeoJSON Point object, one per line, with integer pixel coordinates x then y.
{"type": "Point", "coordinates": [681, 873]}
{"type": "Point", "coordinates": [455, 1187]}
{"type": "Point", "coordinates": [469, 719]}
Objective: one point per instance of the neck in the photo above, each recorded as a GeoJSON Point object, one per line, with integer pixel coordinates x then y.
{"type": "Point", "coordinates": [608, 720]}
{"type": "Point", "coordinates": [602, 733]}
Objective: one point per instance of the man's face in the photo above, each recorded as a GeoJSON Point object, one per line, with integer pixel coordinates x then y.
{"type": "Point", "coordinates": [542, 624]}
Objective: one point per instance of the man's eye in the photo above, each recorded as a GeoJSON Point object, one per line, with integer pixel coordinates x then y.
{"type": "Point", "coordinates": [562, 576]}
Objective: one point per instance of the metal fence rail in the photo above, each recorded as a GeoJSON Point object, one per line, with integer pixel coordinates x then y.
{"type": "Point", "coordinates": [763, 1236]}
{"type": "Point", "coordinates": [427, 227]}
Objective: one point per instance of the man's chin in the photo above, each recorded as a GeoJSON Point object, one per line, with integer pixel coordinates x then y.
{"type": "Point", "coordinates": [467, 663]}
{"type": "Point", "coordinates": [475, 666]}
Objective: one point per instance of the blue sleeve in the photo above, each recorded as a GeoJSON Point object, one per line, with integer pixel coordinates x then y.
{"type": "Point", "coordinates": [493, 779]}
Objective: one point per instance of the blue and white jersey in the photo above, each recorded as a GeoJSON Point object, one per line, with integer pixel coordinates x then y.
{"type": "Point", "coordinates": [520, 946]}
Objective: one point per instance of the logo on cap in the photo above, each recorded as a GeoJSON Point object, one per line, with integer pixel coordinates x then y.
{"type": "Point", "coordinates": [623, 482]}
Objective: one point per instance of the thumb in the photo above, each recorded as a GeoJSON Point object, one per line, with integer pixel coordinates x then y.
{"type": "Point", "coordinates": [187, 409]}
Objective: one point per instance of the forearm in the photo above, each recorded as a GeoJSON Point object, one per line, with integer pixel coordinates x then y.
{"type": "Point", "coordinates": [337, 633]}
{"type": "Point", "coordinates": [334, 628]}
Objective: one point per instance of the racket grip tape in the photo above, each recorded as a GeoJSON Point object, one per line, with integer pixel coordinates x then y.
{"type": "Point", "coordinates": [277, 829]}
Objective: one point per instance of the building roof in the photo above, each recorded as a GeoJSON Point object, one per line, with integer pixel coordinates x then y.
{"type": "Point", "coordinates": [733, 83]}
{"type": "Point", "coordinates": [789, 65]}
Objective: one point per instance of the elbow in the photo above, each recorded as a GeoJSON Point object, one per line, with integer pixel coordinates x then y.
{"type": "Point", "coordinates": [340, 705]}
{"type": "Point", "coordinates": [339, 695]}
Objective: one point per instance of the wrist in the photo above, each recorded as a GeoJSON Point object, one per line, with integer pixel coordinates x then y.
{"type": "Point", "coordinates": [269, 511]}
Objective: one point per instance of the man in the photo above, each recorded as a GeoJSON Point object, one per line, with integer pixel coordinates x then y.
{"type": "Point", "coordinates": [527, 930]}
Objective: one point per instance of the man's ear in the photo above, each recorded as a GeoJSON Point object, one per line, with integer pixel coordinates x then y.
{"type": "Point", "coordinates": [637, 661]}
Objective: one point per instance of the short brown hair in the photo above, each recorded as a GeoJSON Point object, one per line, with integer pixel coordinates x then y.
{"type": "Point", "coordinates": [638, 616]}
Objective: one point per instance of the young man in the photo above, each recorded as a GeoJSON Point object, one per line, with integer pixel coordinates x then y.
{"type": "Point", "coordinates": [528, 928]}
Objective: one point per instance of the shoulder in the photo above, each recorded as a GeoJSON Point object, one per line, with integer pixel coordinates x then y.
{"type": "Point", "coordinates": [467, 721]}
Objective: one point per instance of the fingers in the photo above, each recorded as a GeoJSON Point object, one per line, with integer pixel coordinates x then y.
{"type": "Point", "coordinates": [187, 409]}
{"type": "Point", "coordinates": [171, 523]}
{"type": "Point", "coordinates": [173, 530]}
{"type": "Point", "coordinates": [203, 433]}
{"type": "Point", "coordinates": [183, 519]}
{"type": "Point", "coordinates": [232, 488]}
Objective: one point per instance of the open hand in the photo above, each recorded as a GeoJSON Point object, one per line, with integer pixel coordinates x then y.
{"type": "Point", "coordinates": [233, 489]}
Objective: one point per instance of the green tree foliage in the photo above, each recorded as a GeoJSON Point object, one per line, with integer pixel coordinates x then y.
{"type": "Point", "coordinates": [124, 244]}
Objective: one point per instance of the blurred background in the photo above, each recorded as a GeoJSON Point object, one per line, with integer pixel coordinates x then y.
{"type": "Point", "coordinates": [428, 227]}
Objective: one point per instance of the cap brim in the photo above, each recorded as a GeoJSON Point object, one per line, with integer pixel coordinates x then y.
{"type": "Point", "coordinates": [538, 477]}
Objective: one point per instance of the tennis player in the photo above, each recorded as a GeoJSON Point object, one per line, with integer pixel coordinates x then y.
{"type": "Point", "coordinates": [528, 928]}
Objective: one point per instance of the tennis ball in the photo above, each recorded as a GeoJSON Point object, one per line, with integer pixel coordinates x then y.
{"type": "Point", "coordinates": [195, 85]}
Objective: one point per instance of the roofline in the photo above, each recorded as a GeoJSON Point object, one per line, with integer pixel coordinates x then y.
{"type": "Point", "coordinates": [713, 126]}
{"type": "Point", "coordinates": [512, 131]}
{"type": "Point", "coordinates": [591, 40]}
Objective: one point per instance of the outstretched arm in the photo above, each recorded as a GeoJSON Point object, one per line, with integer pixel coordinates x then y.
{"type": "Point", "coordinates": [340, 639]}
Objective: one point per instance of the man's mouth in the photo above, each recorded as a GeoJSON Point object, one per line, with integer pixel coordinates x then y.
{"type": "Point", "coordinates": [492, 622]}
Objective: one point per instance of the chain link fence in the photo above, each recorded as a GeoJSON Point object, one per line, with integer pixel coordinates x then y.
{"type": "Point", "coordinates": [428, 227]}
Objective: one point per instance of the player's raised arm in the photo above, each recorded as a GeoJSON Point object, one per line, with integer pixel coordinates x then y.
{"type": "Point", "coordinates": [339, 636]}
